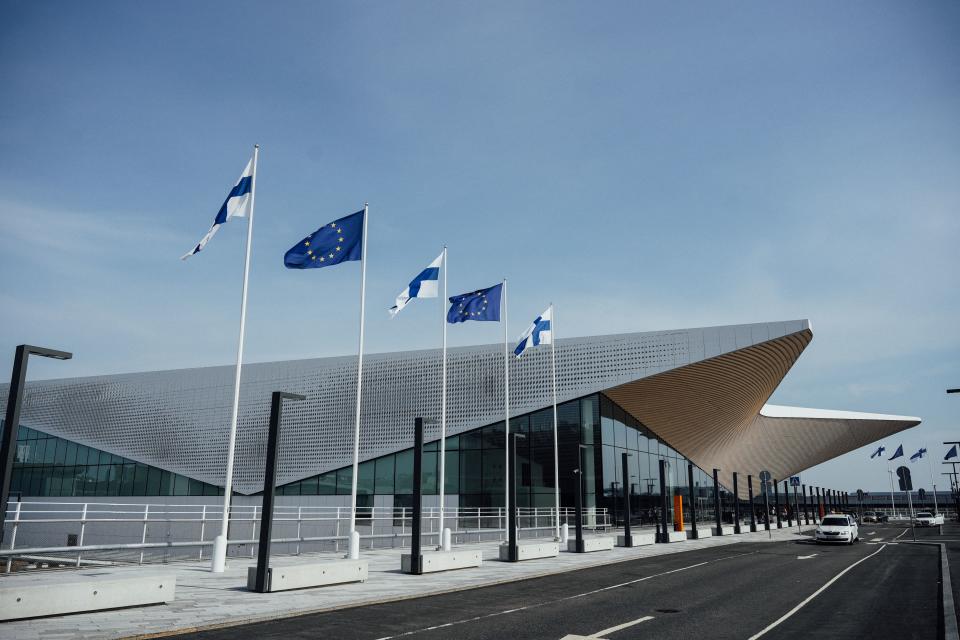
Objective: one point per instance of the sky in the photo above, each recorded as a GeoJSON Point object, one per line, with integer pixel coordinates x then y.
{"type": "Point", "coordinates": [644, 166]}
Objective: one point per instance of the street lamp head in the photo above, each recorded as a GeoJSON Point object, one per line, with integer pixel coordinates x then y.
{"type": "Point", "coordinates": [46, 353]}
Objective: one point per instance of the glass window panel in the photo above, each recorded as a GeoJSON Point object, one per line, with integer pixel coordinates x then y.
{"type": "Point", "coordinates": [587, 418]}
{"type": "Point", "coordinates": [365, 478]}
{"type": "Point", "coordinates": [493, 471]}
{"type": "Point", "coordinates": [493, 436]}
{"type": "Point", "coordinates": [128, 474]}
{"type": "Point", "coordinates": [140, 482]}
{"type": "Point", "coordinates": [15, 478]}
{"type": "Point", "coordinates": [541, 428]}
{"type": "Point", "coordinates": [403, 483]}
{"type": "Point", "coordinates": [70, 457]}
{"type": "Point", "coordinates": [309, 486]}
{"type": "Point", "coordinates": [113, 488]}
{"type": "Point", "coordinates": [37, 448]}
{"type": "Point", "coordinates": [60, 452]}
{"type": "Point", "coordinates": [327, 483]}
{"type": "Point", "coordinates": [196, 487]}
{"type": "Point", "coordinates": [209, 489]}
{"type": "Point", "coordinates": [153, 482]}
{"type": "Point", "coordinates": [541, 469]}
{"type": "Point", "coordinates": [103, 479]}
{"type": "Point", "coordinates": [430, 459]}
{"type": "Point", "coordinates": [345, 481]}
{"type": "Point", "coordinates": [452, 473]}
{"type": "Point", "coordinates": [181, 486]}
{"type": "Point", "coordinates": [383, 477]}
{"type": "Point", "coordinates": [471, 472]}
{"type": "Point", "coordinates": [606, 421]}
{"type": "Point", "coordinates": [619, 427]}
{"type": "Point", "coordinates": [166, 483]}
{"type": "Point", "coordinates": [453, 443]}
{"type": "Point", "coordinates": [472, 439]}
{"type": "Point", "coordinates": [610, 465]}
{"type": "Point", "coordinates": [433, 445]}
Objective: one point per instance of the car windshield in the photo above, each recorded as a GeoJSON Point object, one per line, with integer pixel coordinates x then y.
{"type": "Point", "coordinates": [868, 513]}
{"type": "Point", "coordinates": [924, 515]}
{"type": "Point", "coordinates": [835, 522]}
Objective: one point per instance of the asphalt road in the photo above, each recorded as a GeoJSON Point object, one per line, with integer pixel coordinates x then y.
{"type": "Point", "coordinates": [873, 589]}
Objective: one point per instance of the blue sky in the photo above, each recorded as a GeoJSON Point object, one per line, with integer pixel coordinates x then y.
{"type": "Point", "coordinates": [645, 166]}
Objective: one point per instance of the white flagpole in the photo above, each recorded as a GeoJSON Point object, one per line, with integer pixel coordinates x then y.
{"type": "Point", "coordinates": [443, 402]}
{"type": "Point", "coordinates": [893, 507]}
{"type": "Point", "coordinates": [933, 481]}
{"type": "Point", "coordinates": [556, 465]}
{"type": "Point", "coordinates": [354, 552]}
{"type": "Point", "coordinates": [219, 560]}
{"type": "Point", "coordinates": [506, 405]}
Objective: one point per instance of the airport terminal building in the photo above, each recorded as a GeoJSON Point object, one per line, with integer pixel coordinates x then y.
{"type": "Point", "coordinates": [693, 396]}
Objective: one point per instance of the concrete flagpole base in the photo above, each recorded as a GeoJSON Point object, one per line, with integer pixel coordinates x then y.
{"type": "Point", "coordinates": [219, 561]}
{"type": "Point", "coordinates": [445, 544]}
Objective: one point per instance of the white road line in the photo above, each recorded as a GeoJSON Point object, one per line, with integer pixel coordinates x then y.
{"type": "Point", "coordinates": [564, 599]}
{"type": "Point", "coordinates": [600, 634]}
{"type": "Point", "coordinates": [876, 539]}
{"type": "Point", "coordinates": [901, 534]}
{"type": "Point", "coordinates": [787, 615]}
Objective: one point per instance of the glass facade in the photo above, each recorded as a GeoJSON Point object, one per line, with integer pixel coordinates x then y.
{"type": "Point", "coordinates": [46, 465]}
{"type": "Point", "coordinates": [594, 428]}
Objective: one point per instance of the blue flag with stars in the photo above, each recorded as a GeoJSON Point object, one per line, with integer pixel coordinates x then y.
{"type": "Point", "coordinates": [483, 304]}
{"type": "Point", "coordinates": [339, 241]}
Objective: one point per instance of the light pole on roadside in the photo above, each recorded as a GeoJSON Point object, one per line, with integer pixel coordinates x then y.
{"type": "Point", "coordinates": [11, 423]}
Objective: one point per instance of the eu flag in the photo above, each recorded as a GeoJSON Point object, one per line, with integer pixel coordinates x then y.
{"type": "Point", "coordinates": [339, 241]}
{"type": "Point", "coordinates": [483, 304]}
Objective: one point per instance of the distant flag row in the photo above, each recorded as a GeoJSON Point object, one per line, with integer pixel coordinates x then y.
{"type": "Point", "coordinates": [342, 241]}
{"type": "Point", "coordinates": [952, 453]}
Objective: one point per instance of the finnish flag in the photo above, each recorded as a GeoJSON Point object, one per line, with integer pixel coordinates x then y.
{"type": "Point", "coordinates": [538, 333]}
{"type": "Point", "coordinates": [425, 285]}
{"type": "Point", "coordinates": [237, 205]}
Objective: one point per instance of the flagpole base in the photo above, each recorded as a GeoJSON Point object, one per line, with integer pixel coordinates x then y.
{"type": "Point", "coordinates": [445, 544]}
{"type": "Point", "coordinates": [564, 534]}
{"type": "Point", "coordinates": [219, 561]}
{"type": "Point", "coordinates": [354, 552]}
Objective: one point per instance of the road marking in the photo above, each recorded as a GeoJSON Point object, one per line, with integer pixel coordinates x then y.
{"type": "Point", "coordinates": [807, 557]}
{"type": "Point", "coordinates": [871, 533]}
{"type": "Point", "coordinates": [901, 534]}
{"type": "Point", "coordinates": [876, 539]}
{"type": "Point", "coordinates": [788, 614]}
{"type": "Point", "coordinates": [599, 634]}
{"type": "Point", "coordinates": [564, 599]}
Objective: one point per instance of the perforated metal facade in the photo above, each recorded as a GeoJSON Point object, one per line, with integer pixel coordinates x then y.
{"type": "Point", "coordinates": [178, 420]}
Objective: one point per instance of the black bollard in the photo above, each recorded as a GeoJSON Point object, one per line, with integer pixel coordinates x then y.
{"type": "Point", "coordinates": [736, 505]}
{"type": "Point", "coordinates": [776, 502]}
{"type": "Point", "coordinates": [716, 501]}
{"type": "Point", "coordinates": [693, 501]}
{"type": "Point", "coordinates": [627, 537]}
{"type": "Point", "coordinates": [806, 511]}
{"type": "Point", "coordinates": [664, 535]}
{"type": "Point", "coordinates": [753, 510]}
{"type": "Point", "coordinates": [416, 557]}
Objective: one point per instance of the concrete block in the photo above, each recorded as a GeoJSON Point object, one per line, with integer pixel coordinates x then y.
{"type": "Point", "coordinates": [725, 530]}
{"type": "Point", "coordinates": [675, 536]}
{"type": "Point", "coordinates": [311, 574]}
{"type": "Point", "coordinates": [531, 550]}
{"type": "Point", "coordinates": [30, 597]}
{"type": "Point", "coordinates": [639, 539]}
{"type": "Point", "coordinates": [444, 560]}
{"type": "Point", "coordinates": [591, 544]}
{"type": "Point", "coordinates": [702, 532]}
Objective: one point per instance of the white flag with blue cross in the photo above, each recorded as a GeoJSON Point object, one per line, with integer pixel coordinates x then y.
{"type": "Point", "coordinates": [425, 285]}
{"type": "Point", "coordinates": [237, 205]}
{"type": "Point", "coordinates": [537, 333]}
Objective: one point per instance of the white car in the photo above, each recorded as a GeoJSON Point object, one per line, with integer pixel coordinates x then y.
{"type": "Point", "coordinates": [837, 528]}
{"type": "Point", "coordinates": [927, 519]}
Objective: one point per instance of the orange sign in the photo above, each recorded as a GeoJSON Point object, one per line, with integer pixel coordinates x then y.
{"type": "Point", "coordinates": [678, 513]}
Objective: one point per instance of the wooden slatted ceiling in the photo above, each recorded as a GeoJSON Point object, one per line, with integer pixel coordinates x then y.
{"type": "Point", "coordinates": [710, 412]}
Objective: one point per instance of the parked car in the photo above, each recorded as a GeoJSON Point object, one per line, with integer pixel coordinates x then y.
{"type": "Point", "coordinates": [837, 528]}
{"type": "Point", "coordinates": [927, 519]}
{"type": "Point", "coordinates": [870, 516]}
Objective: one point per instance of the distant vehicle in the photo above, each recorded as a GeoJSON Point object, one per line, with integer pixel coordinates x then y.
{"type": "Point", "coordinates": [870, 516]}
{"type": "Point", "coordinates": [927, 519]}
{"type": "Point", "coordinates": [837, 528]}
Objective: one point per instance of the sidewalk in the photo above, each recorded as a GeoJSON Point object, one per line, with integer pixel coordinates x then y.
{"type": "Point", "coordinates": [205, 599]}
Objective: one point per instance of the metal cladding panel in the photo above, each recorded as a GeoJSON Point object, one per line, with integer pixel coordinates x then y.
{"type": "Point", "coordinates": [179, 420]}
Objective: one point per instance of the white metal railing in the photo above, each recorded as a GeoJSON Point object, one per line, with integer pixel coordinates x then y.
{"type": "Point", "coordinates": [138, 532]}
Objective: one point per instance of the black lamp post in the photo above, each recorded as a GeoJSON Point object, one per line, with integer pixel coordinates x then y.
{"type": "Point", "coordinates": [578, 504]}
{"type": "Point", "coordinates": [261, 580]}
{"type": "Point", "coordinates": [11, 423]}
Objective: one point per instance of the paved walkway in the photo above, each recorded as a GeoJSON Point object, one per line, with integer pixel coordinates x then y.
{"type": "Point", "coordinates": [204, 599]}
